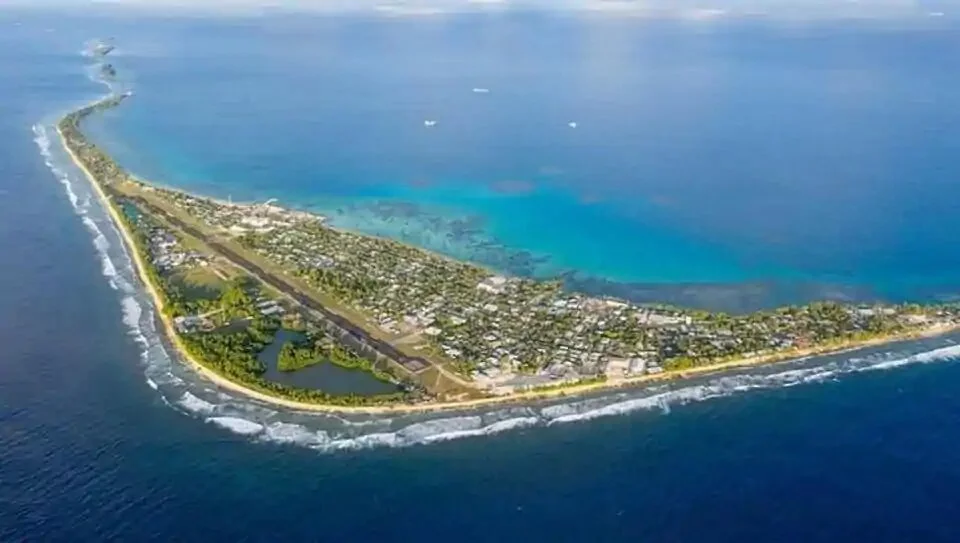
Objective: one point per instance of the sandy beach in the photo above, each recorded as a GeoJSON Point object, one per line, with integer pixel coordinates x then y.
{"type": "Point", "coordinates": [518, 397]}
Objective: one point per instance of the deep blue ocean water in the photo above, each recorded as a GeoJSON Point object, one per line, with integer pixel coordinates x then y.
{"type": "Point", "coordinates": [102, 437]}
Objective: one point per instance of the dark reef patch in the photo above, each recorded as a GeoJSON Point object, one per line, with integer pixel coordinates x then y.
{"type": "Point", "coordinates": [733, 298]}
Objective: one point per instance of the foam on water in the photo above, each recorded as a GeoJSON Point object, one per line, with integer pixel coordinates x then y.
{"type": "Point", "coordinates": [185, 391]}
{"type": "Point", "coordinates": [495, 428]}
{"type": "Point", "coordinates": [195, 404]}
{"type": "Point", "coordinates": [43, 142]}
{"type": "Point", "coordinates": [726, 386]}
{"type": "Point", "coordinates": [283, 432]}
{"type": "Point", "coordinates": [379, 421]}
{"type": "Point", "coordinates": [237, 426]}
{"type": "Point", "coordinates": [131, 314]}
{"type": "Point", "coordinates": [180, 388]}
{"type": "Point", "coordinates": [99, 240]}
{"type": "Point", "coordinates": [159, 374]}
{"type": "Point", "coordinates": [658, 401]}
{"type": "Point", "coordinates": [432, 428]}
{"type": "Point", "coordinates": [116, 264]}
{"type": "Point", "coordinates": [82, 208]}
{"type": "Point", "coordinates": [368, 441]}
{"type": "Point", "coordinates": [102, 246]}
{"type": "Point", "coordinates": [936, 355]}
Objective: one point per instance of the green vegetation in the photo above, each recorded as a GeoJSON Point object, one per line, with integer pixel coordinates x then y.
{"type": "Point", "coordinates": [176, 296]}
{"type": "Point", "coordinates": [340, 356]}
{"type": "Point", "coordinates": [199, 284]}
{"type": "Point", "coordinates": [172, 305]}
{"type": "Point", "coordinates": [342, 286]}
{"type": "Point", "coordinates": [236, 301]}
{"type": "Point", "coordinates": [485, 327]}
{"type": "Point", "coordinates": [98, 162]}
{"type": "Point", "coordinates": [580, 382]}
{"type": "Point", "coordinates": [235, 356]}
{"type": "Point", "coordinates": [784, 331]}
{"type": "Point", "coordinates": [232, 354]}
{"type": "Point", "coordinates": [296, 355]}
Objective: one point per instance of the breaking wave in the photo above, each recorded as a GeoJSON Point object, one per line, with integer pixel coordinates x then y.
{"type": "Point", "coordinates": [328, 433]}
{"type": "Point", "coordinates": [181, 389]}
{"type": "Point", "coordinates": [237, 425]}
{"type": "Point", "coordinates": [192, 403]}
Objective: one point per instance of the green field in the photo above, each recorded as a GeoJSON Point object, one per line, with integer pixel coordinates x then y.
{"type": "Point", "coordinates": [200, 283]}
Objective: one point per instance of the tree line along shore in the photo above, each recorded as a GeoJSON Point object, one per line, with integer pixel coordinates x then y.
{"type": "Point", "coordinates": [228, 276]}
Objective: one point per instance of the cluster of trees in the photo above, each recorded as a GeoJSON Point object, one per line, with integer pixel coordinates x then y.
{"type": "Point", "coordinates": [716, 336]}
{"type": "Point", "coordinates": [179, 303]}
{"type": "Point", "coordinates": [785, 330]}
{"type": "Point", "coordinates": [98, 162]}
{"type": "Point", "coordinates": [593, 379]}
{"type": "Point", "coordinates": [321, 397]}
{"type": "Point", "coordinates": [296, 355]}
{"type": "Point", "coordinates": [345, 358]}
{"type": "Point", "coordinates": [233, 354]}
{"type": "Point", "coordinates": [172, 301]}
{"type": "Point", "coordinates": [683, 363]}
{"type": "Point", "coordinates": [341, 285]}
{"type": "Point", "coordinates": [237, 301]}
{"type": "Point", "coordinates": [262, 329]}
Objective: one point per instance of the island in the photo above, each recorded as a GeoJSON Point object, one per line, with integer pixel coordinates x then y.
{"type": "Point", "coordinates": [108, 72]}
{"type": "Point", "coordinates": [100, 47]}
{"type": "Point", "coordinates": [228, 278]}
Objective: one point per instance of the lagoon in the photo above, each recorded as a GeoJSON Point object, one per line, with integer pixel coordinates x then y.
{"type": "Point", "coordinates": [731, 165]}
{"type": "Point", "coordinates": [819, 460]}
{"type": "Point", "coordinates": [324, 376]}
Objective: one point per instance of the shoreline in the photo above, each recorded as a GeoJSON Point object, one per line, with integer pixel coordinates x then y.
{"type": "Point", "coordinates": [326, 220]}
{"type": "Point", "coordinates": [523, 397]}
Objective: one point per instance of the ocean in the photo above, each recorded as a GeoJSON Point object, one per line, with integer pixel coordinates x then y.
{"type": "Point", "coordinates": [729, 166]}
{"type": "Point", "coordinates": [103, 436]}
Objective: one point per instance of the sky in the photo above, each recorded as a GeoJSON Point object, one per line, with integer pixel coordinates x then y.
{"type": "Point", "coordinates": [699, 9]}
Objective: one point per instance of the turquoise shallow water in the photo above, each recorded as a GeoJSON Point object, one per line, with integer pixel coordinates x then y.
{"type": "Point", "coordinates": [103, 437]}
{"type": "Point", "coordinates": [727, 165]}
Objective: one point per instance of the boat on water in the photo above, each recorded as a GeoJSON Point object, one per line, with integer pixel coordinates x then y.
{"type": "Point", "coordinates": [480, 90]}
{"type": "Point", "coordinates": [429, 123]}
{"type": "Point", "coordinates": [572, 124]}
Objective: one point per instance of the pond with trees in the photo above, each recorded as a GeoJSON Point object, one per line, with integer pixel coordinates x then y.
{"type": "Point", "coordinates": [318, 372]}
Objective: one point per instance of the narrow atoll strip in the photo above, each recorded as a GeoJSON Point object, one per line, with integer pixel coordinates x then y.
{"type": "Point", "coordinates": [450, 334]}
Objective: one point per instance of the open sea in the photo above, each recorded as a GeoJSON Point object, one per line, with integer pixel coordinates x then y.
{"type": "Point", "coordinates": [727, 165]}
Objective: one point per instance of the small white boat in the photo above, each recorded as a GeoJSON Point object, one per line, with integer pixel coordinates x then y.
{"type": "Point", "coordinates": [480, 90]}
{"type": "Point", "coordinates": [572, 124]}
{"type": "Point", "coordinates": [429, 123]}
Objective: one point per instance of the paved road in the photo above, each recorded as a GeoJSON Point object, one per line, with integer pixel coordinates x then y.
{"type": "Point", "coordinates": [358, 334]}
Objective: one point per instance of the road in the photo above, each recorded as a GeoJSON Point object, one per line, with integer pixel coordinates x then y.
{"type": "Point", "coordinates": [356, 333]}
